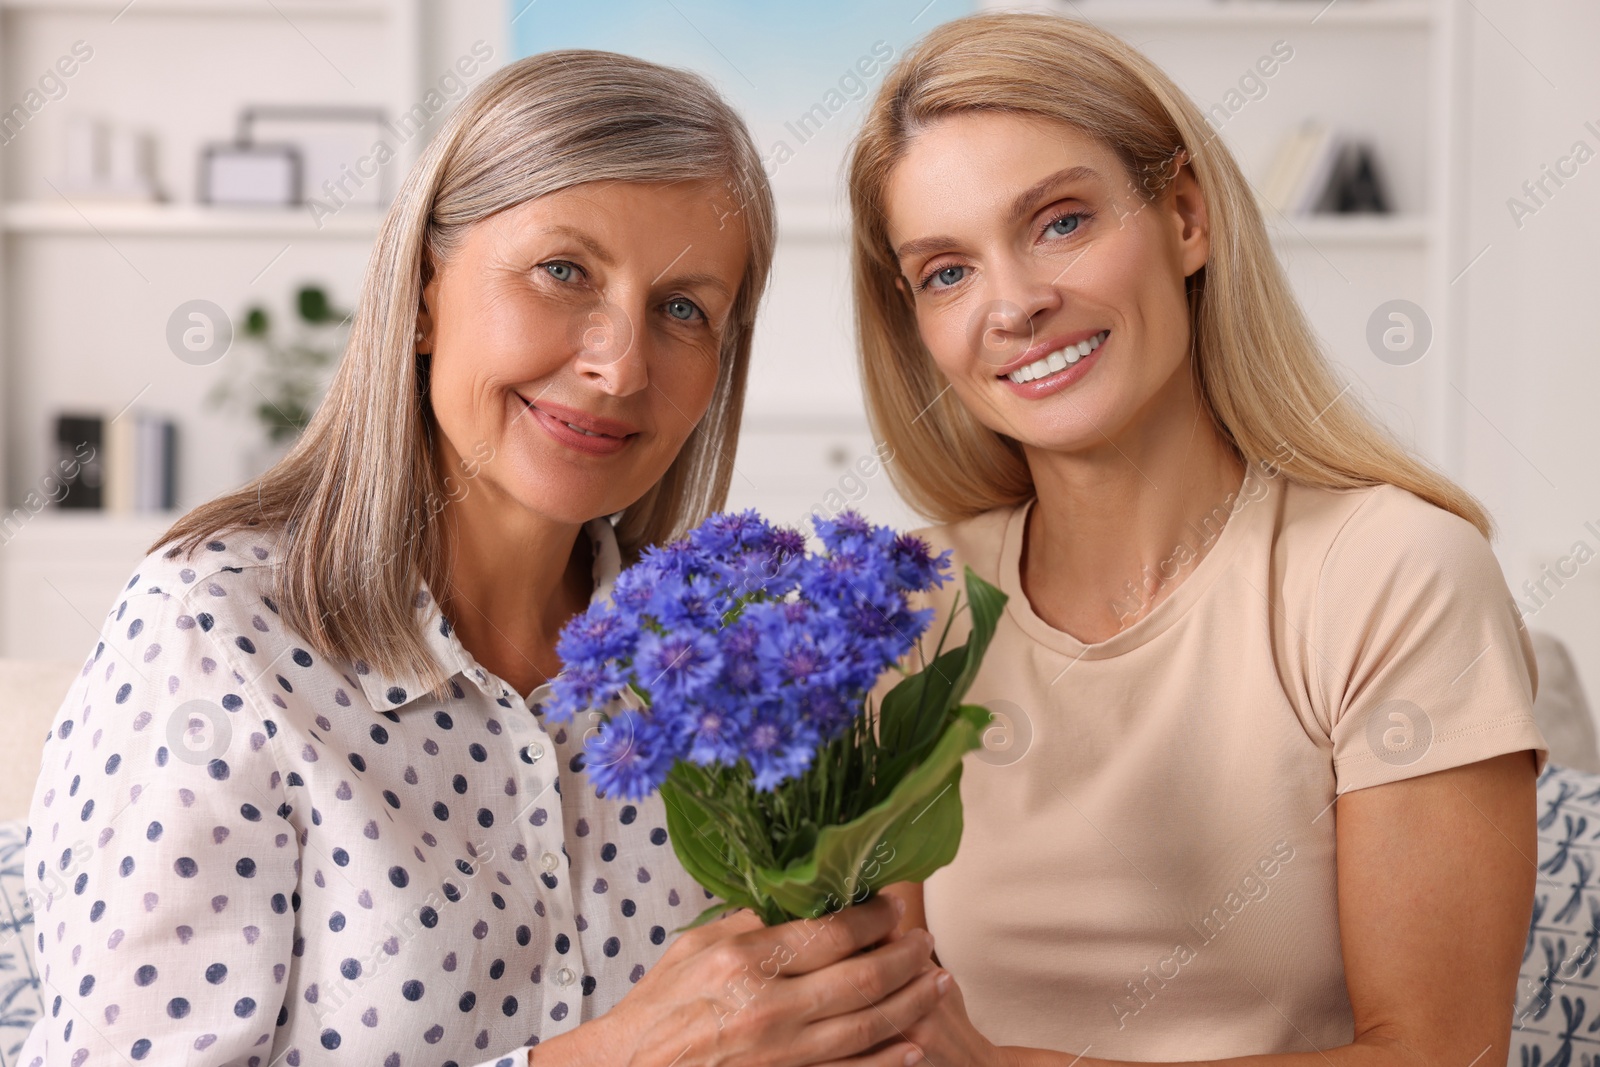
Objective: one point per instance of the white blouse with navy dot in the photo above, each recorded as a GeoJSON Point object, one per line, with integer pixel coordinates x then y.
{"type": "Point", "coordinates": [241, 852]}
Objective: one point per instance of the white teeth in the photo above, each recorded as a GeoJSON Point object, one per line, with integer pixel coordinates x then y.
{"type": "Point", "coordinates": [1057, 361]}
{"type": "Point", "coordinates": [581, 430]}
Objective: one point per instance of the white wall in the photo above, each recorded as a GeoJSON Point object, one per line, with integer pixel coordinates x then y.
{"type": "Point", "coordinates": [1532, 357]}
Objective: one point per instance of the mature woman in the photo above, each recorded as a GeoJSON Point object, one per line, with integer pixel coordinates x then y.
{"type": "Point", "coordinates": [301, 808]}
{"type": "Point", "coordinates": [1269, 785]}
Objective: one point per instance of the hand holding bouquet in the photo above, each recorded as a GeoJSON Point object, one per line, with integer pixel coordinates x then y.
{"type": "Point", "coordinates": [742, 666]}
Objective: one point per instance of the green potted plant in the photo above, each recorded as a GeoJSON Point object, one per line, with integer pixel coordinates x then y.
{"type": "Point", "coordinates": [286, 381]}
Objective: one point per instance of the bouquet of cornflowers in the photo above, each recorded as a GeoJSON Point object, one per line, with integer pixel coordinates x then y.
{"type": "Point", "coordinates": [735, 668]}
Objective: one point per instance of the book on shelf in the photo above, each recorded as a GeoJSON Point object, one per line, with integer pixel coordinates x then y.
{"type": "Point", "coordinates": [80, 457]}
{"type": "Point", "coordinates": [125, 464]}
{"type": "Point", "coordinates": [1320, 169]}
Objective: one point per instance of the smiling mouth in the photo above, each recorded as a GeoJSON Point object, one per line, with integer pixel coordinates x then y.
{"type": "Point", "coordinates": [1058, 360]}
{"type": "Point", "coordinates": [585, 431]}
{"type": "Point", "coordinates": [589, 433]}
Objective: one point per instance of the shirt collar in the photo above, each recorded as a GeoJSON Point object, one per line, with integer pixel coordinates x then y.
{"type": "Point", "coordinates": [393, 691]}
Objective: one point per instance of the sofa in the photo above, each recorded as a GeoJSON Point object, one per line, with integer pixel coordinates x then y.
{"type": "Point", "coordinates": [1552, 1020]}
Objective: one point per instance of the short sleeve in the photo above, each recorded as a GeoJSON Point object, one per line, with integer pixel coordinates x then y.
{"type": "Point", "coordinates": [161, 862]}
{"type": "Point", "coordinates": [1420, 656]}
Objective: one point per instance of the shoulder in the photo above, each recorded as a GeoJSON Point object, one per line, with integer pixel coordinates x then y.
{"type": "Point", "coordinates": [1383, 536]}
{"type": "Point", "coordinates": [227, 578]}
{"type": "Point", "coordinates": [176, 624]}
{"type": "Point", "coordinates": [168, 674]}
{"type": "Point", "coordinates": [234, 557]}
{"type": "Point", "coordinates": [1381, 570]}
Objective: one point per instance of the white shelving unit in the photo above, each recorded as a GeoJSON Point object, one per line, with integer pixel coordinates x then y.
{"type": "Point", "coordinates": [182, 69]}
{"type": "Point", "coordinates": [292, 9]}
{"type": "Point", "coordinates": [180, 220]}
{"type": "Point", "coordinates": [1208, 14]}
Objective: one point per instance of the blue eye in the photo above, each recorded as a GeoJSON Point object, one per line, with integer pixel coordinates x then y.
{"type": "Point", "coordinates": [945, 276]}
{"type": "Point", "coordinates": [681, 309]}
{"type": "Point", "coordinates": [1056, 227]}
{"type": "Point", "coordinates": [561, 272]}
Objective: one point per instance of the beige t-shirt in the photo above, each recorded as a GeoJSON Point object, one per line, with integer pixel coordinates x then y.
{"type": "Point", "coordinates": [1147, 868]}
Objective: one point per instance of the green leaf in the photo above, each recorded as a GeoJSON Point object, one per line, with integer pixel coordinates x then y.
{"type": "Point", "coordinates": [920, 823]}
{"type": "Point", "coordinates": [913, 711]}
{"type": "Point", "coordinates": [800, 843]}
{"type": "Point", "coordinates": [313, 304]}
{"type": "Point", "coordinates": [716, 911]}
{"type": "Point", "coordinates": [700, 843]}
{"type": "Point", "coordinates": [986, 603]}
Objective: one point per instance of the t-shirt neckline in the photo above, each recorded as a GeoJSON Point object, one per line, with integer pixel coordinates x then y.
{"type": "Point", "coordinates": [1246, 514]}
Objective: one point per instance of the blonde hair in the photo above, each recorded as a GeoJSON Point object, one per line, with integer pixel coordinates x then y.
{"type": "Point", "coordinates": [1261, 371]}
{"type": "Point", "coordinates": [357, 496]}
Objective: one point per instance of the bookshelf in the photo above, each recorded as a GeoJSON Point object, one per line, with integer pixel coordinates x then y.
{"type": "Point", "coordinates": [180, 220]}
{"type": "Point", "coordinates": [80, 278]}
{"type": "Point", "coordinates": [1269, 14]}
{"type": "Point", "coordinates": [372, 9]}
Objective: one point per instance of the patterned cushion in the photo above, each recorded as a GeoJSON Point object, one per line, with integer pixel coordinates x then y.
{"type": "Point", "coordinates": [1558, 988]}
{"type": "Point", "coordinates": [21, 1002]}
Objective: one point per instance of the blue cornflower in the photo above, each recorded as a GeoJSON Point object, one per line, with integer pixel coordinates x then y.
{"type": "Point", "coordinates": [681, 662]}
{"type": "Point", "coordinates": [584, 685]}
{"type": "Point", "coordinates": [730, 532]}
{"type": "Point", "coordinates": [624, 759]}
{"type": "Point", "coordinates": [714, 732]}
{"type": "Point", "coordinates": [633, 588]}
{"type": "Point", "coordinates": [779, 747]}
{"type": "Point", "coordinates": [805, 655]}
{"type": "Point", "coordinates": [844, 531]}
{"type": "Point", "coordinates": [748, 649]}
{"type": "Point", "coordinates": [916, 568]}
{"type": "Point", "coordinates": [762, 572]}
{"type": "Point", "coordinates": [687, 600]}
{"type": "Point", "coordinates": [596, 635]}
{"type": "Point", "coordinates": [741, 666]}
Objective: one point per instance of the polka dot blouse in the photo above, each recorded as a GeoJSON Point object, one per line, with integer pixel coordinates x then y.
{"type": "Point", "coordinates": [241, 852]}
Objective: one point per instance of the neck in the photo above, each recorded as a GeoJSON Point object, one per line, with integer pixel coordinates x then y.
{"type": "Point", "coordinates": [514, 579]}
{"type": "Point", "coordinates": [1118, 527]}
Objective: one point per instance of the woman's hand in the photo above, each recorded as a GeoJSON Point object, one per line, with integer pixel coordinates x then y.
{"type": "Point", "coordinates": [734, 991]}
{"type": "Point", "coordinates": [946, 1036]}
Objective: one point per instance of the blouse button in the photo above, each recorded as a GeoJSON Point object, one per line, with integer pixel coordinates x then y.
{"type": "Point", "coordinates": [549, 861]}
{"type": "Point", "coordinates": [534, 751]}
{"type": "Point", "coordinates": [565, 976]}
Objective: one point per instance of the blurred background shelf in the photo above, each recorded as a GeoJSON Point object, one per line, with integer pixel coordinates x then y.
{"type": "Point", "coordinates": [371, 9]}
{"type": "Point", "coordinates": [181, 220]}
{"type": "Point", "coordinates": [1385, 230]}
{"type": "Point", "coordinates": [62, 571]}
{"type": "Point", "coordinates": [1270, 14]}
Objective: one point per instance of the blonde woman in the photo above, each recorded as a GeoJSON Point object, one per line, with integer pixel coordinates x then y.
{"type": "Point", "coordinates": [1263, 786]}
{"type": "Point", "coordinates": [301, 807]}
